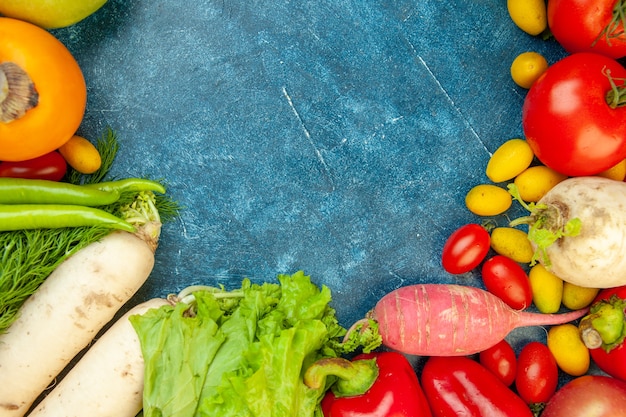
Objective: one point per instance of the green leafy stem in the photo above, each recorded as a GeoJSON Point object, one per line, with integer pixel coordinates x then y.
{"type": "Point", "coordinates": [545, 225]}
{"type": "Point", "coordinates": [616, 96]}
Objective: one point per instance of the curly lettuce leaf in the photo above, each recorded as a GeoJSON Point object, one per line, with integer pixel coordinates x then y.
{"type": "Point", "coordinates": [243, 355]}
{"type": "Point", "coordinates": [177, 351]}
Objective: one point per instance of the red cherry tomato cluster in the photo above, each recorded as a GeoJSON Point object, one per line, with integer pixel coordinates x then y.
{"type": "Point", "coordinates": [574, 120]}
{"type": "Point", "coordinates": [534, 372]}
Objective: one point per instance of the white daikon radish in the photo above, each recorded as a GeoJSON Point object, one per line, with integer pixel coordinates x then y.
{"type": "Point", "coordinates": [64, 315]}
{"type": "Point", "coordinates": [579, 231]}
{"type": "Point", "coordinates": [108, 380]}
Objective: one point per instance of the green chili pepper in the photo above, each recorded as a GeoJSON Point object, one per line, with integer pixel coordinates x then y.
{"type": "Point", "coordinates": [50, 216]}
{"type": "Point", "coordinates": [28, 191]}
{"type": "Point", "coordinates": [129, 184]}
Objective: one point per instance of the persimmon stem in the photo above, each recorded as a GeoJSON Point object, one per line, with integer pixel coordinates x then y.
{"type": "Point", "coordinates": [17, 92]}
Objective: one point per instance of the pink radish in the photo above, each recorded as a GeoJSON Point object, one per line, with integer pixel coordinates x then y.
{"type": "Point", "coordinates": [450, 320]}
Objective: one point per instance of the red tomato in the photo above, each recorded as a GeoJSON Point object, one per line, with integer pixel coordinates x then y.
{"type": "Point", "coordinates": [465, 249]}
{"type": "Point", "coordinates": [613, 362]}
{"type": "Point", "coordinates": [588, 396]}
{"type": "Point", "coordinates": [506, 279]}
{"type": "Point", "coordinates": [537, 373]}
{"type": "Point", "coordinates": [460, 386]}
{"type": "Point", "coordinates": [566, 118]}
{"type": "Point", "coordinates": [51, 166]}
{"type": "Point", "coordinates": [587, 26]}
{"type": "Point", "coordinates": [501, 361]}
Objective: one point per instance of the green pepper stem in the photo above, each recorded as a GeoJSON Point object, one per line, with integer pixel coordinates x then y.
{"type": "Point", "coordinates": [353, 377]}
{"type": "Point", "coordinates": [605, 325]}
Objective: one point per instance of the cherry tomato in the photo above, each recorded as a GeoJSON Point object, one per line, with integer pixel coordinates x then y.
{"type": "Point", "coordinates": [588, 396]}
{"type": "Point", "coordinates": [501, 361]}
{"type": "Point", "coordinates": [51, 166]}
{"type": "Point", "coordinates": [60, 86]}
{"type": "Point", "coordinates": [567, 120]}
{"type": "Point", "coordinates": [465, 249]}
{"type": "Point", "coordinates": [506, 279]}
{"type": "Point", "coordinates": [588, 26]}
{"type": "Point", "coordinates": [614, 361]}
{"type": "Point", "coordinates": [537, 373]}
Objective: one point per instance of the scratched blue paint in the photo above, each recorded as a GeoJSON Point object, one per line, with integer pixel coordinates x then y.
{"type": "Point", "coordinates": [337, 137]}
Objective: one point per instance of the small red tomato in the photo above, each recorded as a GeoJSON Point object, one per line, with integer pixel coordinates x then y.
{"type": "Point", "coordinates": [465, 249]}
{"type": "Point", "coordinates": [51, 166]}
{"type": "Point", "coordinates": [506, 279]}
{"type": "Point", "coordinates": [501, 361]}
{"type": "Point", "coordinates": [537, 373]}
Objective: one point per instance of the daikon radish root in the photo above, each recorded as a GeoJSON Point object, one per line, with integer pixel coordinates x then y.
{"type": "Point", "coordinates": [65, 314]}
{"type": "Point", "coordinates": [450, 320]}
{"type": "Point", "coordinates": [108, 380]}
{"type": "Point", "coordinates": [579, 231]}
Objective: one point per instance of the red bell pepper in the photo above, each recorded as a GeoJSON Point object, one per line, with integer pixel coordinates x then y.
{"type": "Point", "coordinates": [395, 391]}
{"type": "Point", "coordinates": [459, 386]}
{"type": "Point", "coordinates": [603, 330]}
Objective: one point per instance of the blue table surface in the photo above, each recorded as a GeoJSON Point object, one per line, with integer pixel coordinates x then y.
{"type": "Point", "coordinates": [334, 137]}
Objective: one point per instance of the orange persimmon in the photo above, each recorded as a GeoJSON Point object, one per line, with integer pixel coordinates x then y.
{"type": "Point", "coordinates": [58, 93]}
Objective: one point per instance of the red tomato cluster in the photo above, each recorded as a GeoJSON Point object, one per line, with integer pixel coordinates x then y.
{"type": "Point", "coordinates": [571, 124]}
{"type": "Point", "coordinates": [574, 119]}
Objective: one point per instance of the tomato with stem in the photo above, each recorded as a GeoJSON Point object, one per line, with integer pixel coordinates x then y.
{"type": "Point", "coordinates": [573, 115]}
{"type": "Point", "coordinates": [589, 25]}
